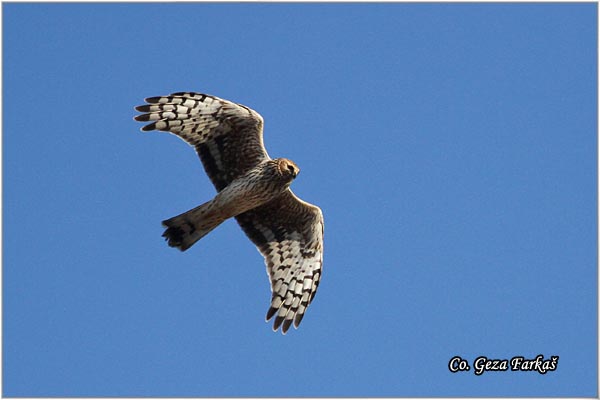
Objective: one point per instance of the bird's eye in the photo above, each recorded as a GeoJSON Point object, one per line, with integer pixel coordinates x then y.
{"type": "Point", "coordinates": [291, 168]}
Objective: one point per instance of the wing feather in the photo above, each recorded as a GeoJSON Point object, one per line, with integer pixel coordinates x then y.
{"type": "Point", "coordinates": [289, 234]}
{"type": "Point", "coordinates": [227, 136]}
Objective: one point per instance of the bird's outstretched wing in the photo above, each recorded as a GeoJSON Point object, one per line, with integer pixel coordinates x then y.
{"type": "Point", "coordinates": [227, 136]}
{"type": "Point", "coordinates": [289, 234]}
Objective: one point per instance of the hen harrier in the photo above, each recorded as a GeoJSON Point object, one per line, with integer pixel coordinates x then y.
{"type": "Point", "coordinates": [251, 187]}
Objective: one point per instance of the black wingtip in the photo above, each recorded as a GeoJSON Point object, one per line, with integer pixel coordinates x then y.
{"type": "Point", "coordinates": [143, 108]}
{"type": "Point", "coordinates": [153, 100]}
{"type": "Point", "coordinates": [277, 323]}
{"type": "Point", "coordinates": [286, 326]}
{"type": "Point", "coordinates": [142, 117]}
{"type": "Point", "coordinates": [298, 319]}
{"type": "Point", "coordinates": [270, 313]}
{"type": "Point", "coordinates": [149, 127]}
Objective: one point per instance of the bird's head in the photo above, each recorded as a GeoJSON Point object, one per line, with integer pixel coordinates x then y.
{"type": "Point", "coordinates": [287, 168]}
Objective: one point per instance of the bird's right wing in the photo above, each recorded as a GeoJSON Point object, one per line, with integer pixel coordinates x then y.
{"type": "Point", "coordinates": [227, 136]}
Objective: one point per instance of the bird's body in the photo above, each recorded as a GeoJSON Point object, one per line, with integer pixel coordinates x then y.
{"type": "Point", "coordinates": [251, 187]}
{"type": "Point", "coordinates": [256, 187]}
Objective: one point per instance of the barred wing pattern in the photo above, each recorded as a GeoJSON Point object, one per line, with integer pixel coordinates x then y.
{"type": "Point", "coordinates": [227, 136]}
{"type": "Point", "coordinates": [289, 234]}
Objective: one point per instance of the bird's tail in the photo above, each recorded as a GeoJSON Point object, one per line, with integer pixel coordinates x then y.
{"type": "Point", "coordinates": [186, 229]}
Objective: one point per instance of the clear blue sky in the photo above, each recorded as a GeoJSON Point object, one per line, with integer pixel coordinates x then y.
{"type": "Point", "coordinates": [452, 149]}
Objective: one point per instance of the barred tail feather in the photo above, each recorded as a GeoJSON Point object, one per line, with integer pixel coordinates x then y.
{"type": "Point", "coordinates": [186, 229]}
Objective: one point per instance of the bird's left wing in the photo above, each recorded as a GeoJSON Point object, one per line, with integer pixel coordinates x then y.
{"type": "Point", "coordinates": [289, 234]}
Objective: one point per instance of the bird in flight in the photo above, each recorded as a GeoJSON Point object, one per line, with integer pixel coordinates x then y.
{"type": "Point", "coordinates": [251, 187]}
